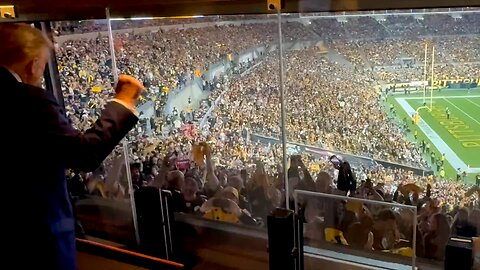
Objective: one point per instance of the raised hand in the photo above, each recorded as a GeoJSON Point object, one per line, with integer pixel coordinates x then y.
{"type": "Point", "coordinates": [128, 90]}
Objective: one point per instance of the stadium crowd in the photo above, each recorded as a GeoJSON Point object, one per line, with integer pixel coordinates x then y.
{"type": "Point", "coordinates": [210, 157]}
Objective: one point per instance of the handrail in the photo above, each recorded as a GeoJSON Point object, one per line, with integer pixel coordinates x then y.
{"type": "Point", "coordinates": [131, 253]}
{"type": "Point", "coordinates": [395, 13]}
{"type": "Point", "coordinates": [314, 249]}
{"type": "Point", "coordinates": [366, 201]}
{"type": "Point", "coordinates": [340, 197]}
{"type": "Point", "coordinates": [316, 149]}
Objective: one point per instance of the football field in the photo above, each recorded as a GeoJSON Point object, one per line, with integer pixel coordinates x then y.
{"type": "Point", "coordinates": [457, 136]}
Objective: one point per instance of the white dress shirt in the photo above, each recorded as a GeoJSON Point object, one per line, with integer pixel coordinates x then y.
{"type": "Point", "coordinates": [14, 74]}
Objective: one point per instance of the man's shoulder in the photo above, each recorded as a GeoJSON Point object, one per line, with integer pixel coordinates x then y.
{"type": "Point", "coordinates": [29, 102]}
{"type": "Point", "coordinates": [26, 92]}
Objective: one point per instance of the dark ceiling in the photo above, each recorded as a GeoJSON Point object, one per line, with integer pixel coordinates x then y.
{"type": "Point", "coordinates": [85, 9]}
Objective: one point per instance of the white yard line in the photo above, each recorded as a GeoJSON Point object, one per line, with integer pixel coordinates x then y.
{"type": "Point", "coordinates": [450, 155]}
{"type": "Point", "coordinates": [440, 97]}
{"type": "Point", "coordinates": [475, 120]}
{"type": "Point", "coordinates": [473, 102]}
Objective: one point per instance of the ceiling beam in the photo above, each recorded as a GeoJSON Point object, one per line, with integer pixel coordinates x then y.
{"type": "Point", "coordinates": [31, 10]}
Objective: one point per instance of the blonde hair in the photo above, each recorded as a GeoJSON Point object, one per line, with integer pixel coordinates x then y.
{"type": "Point", "coordinates": [20, 43]}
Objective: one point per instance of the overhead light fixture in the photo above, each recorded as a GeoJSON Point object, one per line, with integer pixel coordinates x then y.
{"type": "Point", "coordinates": [154, 18]}
{"type": "Point", "coordinates": [7, 12]}
{"type": "Point", "coordinates": [132, 19]}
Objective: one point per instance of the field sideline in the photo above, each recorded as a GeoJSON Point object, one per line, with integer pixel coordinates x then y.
{"type": "Point", "coordinates": [457, 137]}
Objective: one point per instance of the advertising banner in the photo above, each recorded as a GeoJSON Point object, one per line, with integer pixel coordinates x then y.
{"type": "Point", "coordinates": [456, 82]}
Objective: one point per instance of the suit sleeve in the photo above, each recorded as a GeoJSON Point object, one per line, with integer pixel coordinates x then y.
{"type": "Point", "coordinates": [83, 150]}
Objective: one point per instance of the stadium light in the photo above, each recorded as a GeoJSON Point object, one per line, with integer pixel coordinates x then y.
{"type": "Point", "coordinates": [155, 18]}
{"type": "Point", "coordinates": [132, 19]}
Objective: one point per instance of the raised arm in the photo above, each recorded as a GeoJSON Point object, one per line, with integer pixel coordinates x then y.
{"type": "Point", "coordinates": [212, 183]}
{"type": "Point", "coordinates": [86, 150]}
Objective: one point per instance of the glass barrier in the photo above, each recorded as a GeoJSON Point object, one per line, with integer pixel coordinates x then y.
{"type": "Point", "coordinates": [103, 205]}
{"type": "Point", "coordinates": [198, 116]}
{"type": "Point", "coordinates": [394, 93]}
{"type": "Point", "coordinates": [362, 231]}
{"type": "Point", "coordinates": [380, 98]}
{"type": "Point", "coordinates": [190, 70]}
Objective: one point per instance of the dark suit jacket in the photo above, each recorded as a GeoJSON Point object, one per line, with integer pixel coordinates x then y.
{"type": "Point", "coordinates": [38, 144]}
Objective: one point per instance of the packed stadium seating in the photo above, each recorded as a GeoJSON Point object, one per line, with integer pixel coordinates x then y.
{"type": "Point", "coordinates": [332, 103]}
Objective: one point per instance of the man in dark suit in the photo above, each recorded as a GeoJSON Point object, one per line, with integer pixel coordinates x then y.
{"type": "Point", "coordinates": [37, 220]}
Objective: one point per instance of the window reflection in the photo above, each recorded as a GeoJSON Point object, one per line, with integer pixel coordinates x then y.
{"type": "Point", "coordinates": [354, 95]}
{"type": "Point", "coordinates": [210, 129]}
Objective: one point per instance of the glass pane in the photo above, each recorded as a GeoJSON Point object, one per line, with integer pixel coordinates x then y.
{"type": "Point", "coordinates": [102, 196]}
{"type": "Point", "coordinates": [361, 231]}
{"type": "Point", "coordinates": [63, 28]}
{"type": "Point", "coordinates": [386, 91]}
{"type": "Point", "coordinates": [200, 135]}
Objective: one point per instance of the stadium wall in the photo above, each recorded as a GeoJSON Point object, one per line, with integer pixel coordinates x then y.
{"type": "Point", "coordinates": [147, 109]}
{"type": "Point", "coordinates": [179, 99]}
{"type": "Point", "coordinates": [63, 38]}
{"type": "Point", "coordinates": [354, 159]}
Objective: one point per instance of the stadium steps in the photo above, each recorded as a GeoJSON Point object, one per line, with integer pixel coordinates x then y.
{"type": "Point", "coordinates": [315, 34]}
{"type": "Point", "coordinates": [335, 57]}
{"type": "Point", "coordinates": [367, 62]}
{"type": "Point", "coordinates": [387, 30]}
{"type": "Point", "coordinates": [445, 55]}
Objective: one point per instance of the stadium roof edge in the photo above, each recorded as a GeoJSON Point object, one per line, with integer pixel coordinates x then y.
{"type": "Point", "coordinates": [30, 10]}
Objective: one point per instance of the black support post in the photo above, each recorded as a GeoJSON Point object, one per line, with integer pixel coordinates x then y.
{"type": "Point", "coordinates": [459, 254]}
{"type": "Point", "coordinates": [285, 240]}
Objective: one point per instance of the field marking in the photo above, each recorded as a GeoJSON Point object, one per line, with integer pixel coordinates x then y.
{"type": "Point", "coordinates": [473, 102]}
{"type": "Point", "coordinates": [475, 120]}
{"type": "Point", "coordinates": [437, 141]}
{"type": "Point", "coordinates": [440, 97]}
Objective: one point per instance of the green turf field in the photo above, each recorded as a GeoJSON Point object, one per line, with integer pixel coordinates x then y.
{"type": "Point", "coordinates": [457, 137]}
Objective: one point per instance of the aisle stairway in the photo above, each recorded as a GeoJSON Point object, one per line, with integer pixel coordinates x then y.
{"type": "Point", "coordinates": [334, 56]}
